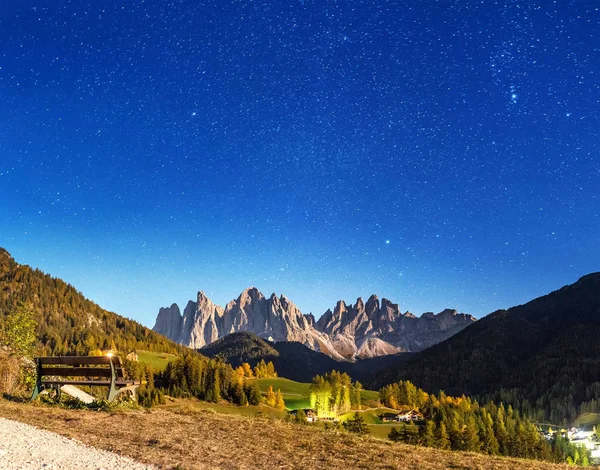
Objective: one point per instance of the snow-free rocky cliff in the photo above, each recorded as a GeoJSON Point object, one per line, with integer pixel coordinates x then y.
{"type": "Point", "coordinates": [349, 332]}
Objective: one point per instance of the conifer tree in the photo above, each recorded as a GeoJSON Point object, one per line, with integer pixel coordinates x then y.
{"type": "Point", "coordinates": [356, 425]}
{"type": "Point", "coordinates": [247, 370]}
{"type": "Point", "coordinates": [356, 394]}
{"type": "Point", "coordinates": [253, 394]}
{"type": "Point", "coordinates": [394, 435]}
{"type": "Point", "coordinates": [279, 401]}
{"type": "Point", "coordinates": [429, 439]}
{"type": "Point", "coordinates": [471, 436]}
{"type": "Point", "coordinates": [443, 440]}
{"type": "Point", "coordinates": [412, 433]}
{"type": "Point", "coordinates": [489, 441]}
{"type": "Point", "coordinates": [271, 399]}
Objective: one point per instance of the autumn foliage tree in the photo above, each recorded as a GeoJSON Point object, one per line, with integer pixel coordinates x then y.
{"type": "Point", "coordinates": [333, 394]}
{"type": "Point", "coordinates": [461, 423]}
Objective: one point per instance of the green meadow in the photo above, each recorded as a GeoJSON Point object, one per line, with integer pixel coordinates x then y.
{"type": "Point", "coordinates": [297, 394]}
{"type": "Point", "coordinates": [158, 361]}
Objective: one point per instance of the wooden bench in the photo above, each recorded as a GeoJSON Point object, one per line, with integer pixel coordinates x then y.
{"type": "Point", "coordinates": [92, 371]}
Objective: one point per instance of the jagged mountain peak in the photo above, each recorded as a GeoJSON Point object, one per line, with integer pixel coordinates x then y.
{"type": "Point", "coordinates": [250, 294]}
{"type": "Point", "coordinates": [349, 331]}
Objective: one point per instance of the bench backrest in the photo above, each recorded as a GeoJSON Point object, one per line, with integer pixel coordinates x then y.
{"type": "Point", "coordinates": [80, 366]}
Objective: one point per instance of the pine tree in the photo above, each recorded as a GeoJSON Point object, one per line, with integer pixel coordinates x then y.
{"type": "Point", "coordinates": [443, 440]}
{"type": "Point", "coordinates": [429, 434]}
{"type": "Point", "coordinates": [271, 399]}
{"type": "Point", "coordinates": [247, 370]}
{"type": "Point", "coordinates": [394, 435]}
{"type": "Point", "coordinates": [253, 394]}
{"type": "Point", "coordinates": [501, 432]}
{"type": "Point", "coordinates": [214, 393]}
{"type": "Point", "coordinates": [471, 436]}
{"type": "Point", "coordinates": [489, 441]}
{"type": "Point", "coordinates": [260, 371]}
{"type": "Point", "coordinates": [279, 401]}
{"type": "Point", "coordinates": [356, 394]}
{"type": "Point", "coordinates": [412, 433]}
{"type": "Point", "coordinates": [456, 435]}
{"type": "Point", "coordinates": [356, 425]}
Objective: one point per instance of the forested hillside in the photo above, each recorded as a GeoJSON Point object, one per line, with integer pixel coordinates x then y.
{"type": "Point", "coordinates": [67, 322]}
{"type": "Point", "coordinates": [542, 357]}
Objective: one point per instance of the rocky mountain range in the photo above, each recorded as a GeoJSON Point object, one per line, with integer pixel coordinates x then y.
{"type": "Point", "coordinates": [361, 330]}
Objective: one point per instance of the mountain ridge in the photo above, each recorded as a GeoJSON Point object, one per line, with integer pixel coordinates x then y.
{"type": "Point", "coordinates": [349, 332]}
{"type": "Point", "coordinates": [542, 356]}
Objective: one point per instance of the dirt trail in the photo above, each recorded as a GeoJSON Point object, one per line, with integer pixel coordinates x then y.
{"type": "Point", "coordinates": [25, 447]}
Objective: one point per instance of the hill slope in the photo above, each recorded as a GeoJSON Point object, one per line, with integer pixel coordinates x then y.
{"type": "Point", "coordinates": [292, 359]}
{"type": "Point", "coordinates": [68, 323]}
{"type": "Point", "coordinates": [546, 352]}
{"type": "Point", "coordinates": [181, 435]}
{"type": "Point", "coordinates": [241, 347]}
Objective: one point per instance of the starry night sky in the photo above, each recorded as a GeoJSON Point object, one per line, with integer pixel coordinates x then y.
{"type": "Point", "coordinates": [438, 153]}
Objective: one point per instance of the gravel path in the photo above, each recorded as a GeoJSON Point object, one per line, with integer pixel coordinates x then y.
{"type": "Point", "coordinates": [24, 447]}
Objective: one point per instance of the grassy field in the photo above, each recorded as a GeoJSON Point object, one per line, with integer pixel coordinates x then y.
{"type": "Point", "coordinates": [370, 416]}
{"type": "Point", "coordinates": [297, 394]}
{"type": "Point", "coordinates": [184, 435]}
{"type": "Point", "coordinates": [158, 361]}
{"type": "Point", "coordinates": [381, 431]}
{"type": "Point", "coordinates": [193, 406]}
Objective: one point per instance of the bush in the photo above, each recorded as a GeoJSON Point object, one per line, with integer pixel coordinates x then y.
{"type": "Point", "coordinates": [10, 373]}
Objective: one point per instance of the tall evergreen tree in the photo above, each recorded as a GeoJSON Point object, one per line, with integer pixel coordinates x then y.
{"type": "Point", "coordinates": [443, 440]}
{"type": "Point", "coordinates": [429, 433]}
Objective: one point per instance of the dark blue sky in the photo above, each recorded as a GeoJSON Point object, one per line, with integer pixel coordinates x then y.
{"type": "Point", "coordinates": [441, 154]}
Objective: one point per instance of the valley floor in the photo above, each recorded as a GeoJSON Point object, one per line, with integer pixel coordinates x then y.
{"type": "Point", "coordinates": [186, 436]}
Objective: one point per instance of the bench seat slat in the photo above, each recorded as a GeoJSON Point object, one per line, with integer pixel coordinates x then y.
{"type": "Point", "coordinates": [80, 360]}
{"type": "Point", "coordinates": [88, 382]}
{"type": "Point", "coordinates": [79, 371]}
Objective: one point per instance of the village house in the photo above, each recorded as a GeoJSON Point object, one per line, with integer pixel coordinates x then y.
{"type": "Point", "coordinates": [311, 415]}
{"type": "Point", "coordinates": [387, 417]}
{"type": "Point", "coordinates": [411, 415]}
{"type": "Point", "coordinates": [401, 417]}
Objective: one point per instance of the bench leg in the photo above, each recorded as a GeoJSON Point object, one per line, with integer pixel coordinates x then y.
{"type": "Point", "coordinates": [38, 381]}
{"type": "Point", "coordinates": [36, 391]}
{"type": "Point", "coordinates": [112, 390]}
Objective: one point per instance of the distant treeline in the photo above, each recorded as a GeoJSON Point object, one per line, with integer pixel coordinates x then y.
{"type": "Point", "coordinates": [557, 404]}
{"type": "Point", "coordinates": [196, 376]}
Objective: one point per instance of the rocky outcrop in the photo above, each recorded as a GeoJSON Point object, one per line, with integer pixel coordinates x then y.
{"type": "Point", "coordinates": [275, 319]}
{"type": "Point", "coordinates": [168, 322]}
{"type": "Point", "coordinates": [354, 331]}
{"type": "Point", "coordinates": [375, 329]}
